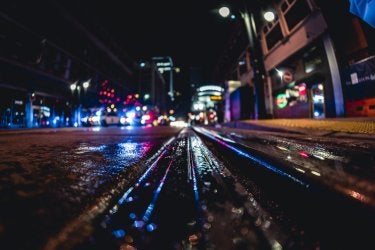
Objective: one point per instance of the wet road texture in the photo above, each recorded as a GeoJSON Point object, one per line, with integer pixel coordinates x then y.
{"type": "Point", "coordinates": [169, 188]}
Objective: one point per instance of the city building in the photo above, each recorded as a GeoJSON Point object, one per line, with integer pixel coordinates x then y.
{"type": "Point", "coordinates": [318, 60]}
{"type": "Point", "coordinates": [152, 86]}
{"type": "Point", "coordinates": [207, 105]}
{"type": "Point", "coordinates": [53, 66]}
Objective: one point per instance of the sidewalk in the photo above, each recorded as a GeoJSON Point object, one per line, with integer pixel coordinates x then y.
{"type": "Point", "coordinates": [361, 126]}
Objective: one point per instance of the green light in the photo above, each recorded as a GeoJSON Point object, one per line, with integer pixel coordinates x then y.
{"type": "Point", "coordinates": [281, 101]}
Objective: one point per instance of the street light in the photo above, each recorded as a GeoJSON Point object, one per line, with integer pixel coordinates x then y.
{"type": "Point", "coordinates": [86, 84]}
{"type": "Point", "coordinates": [224, 11]}
{"type": "Point", "coordinates": [255, 58]}
{"type": "Point", "coordinates": [269, 16]}
{"type": "Point", "coordinates": [170, 93]}
{"type": "Point", "coordinates": [73, 86]}
{"type": "Point", "coordinates": [78, 86]}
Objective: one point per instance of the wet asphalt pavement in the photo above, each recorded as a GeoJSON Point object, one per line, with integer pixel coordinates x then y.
{"type": "Point", "coordinates": [167, 188]}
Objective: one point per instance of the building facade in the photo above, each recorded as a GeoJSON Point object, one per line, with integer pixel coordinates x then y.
{"type": "Point", "coordinates": [312, 68]}
{"type": "Point", "coordinates": [51, 71]}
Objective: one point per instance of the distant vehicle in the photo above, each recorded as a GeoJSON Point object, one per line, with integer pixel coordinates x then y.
{"type": "Point", "coordinates": [91, 117]}
{"type": "Point", "coordinates": [133, 116]}
{"type": "Point", "coordinates": [100, 117]}
{"type": "Point", "coordinates": [149, 118]}
{"type": "Point", "coordinates": [110, 118]}
{"type": "Point", "coordinates": [163, 120]}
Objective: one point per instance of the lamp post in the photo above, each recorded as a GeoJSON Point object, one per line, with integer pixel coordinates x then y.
{"type": "Point", "coordinates": [170, 93]}
{"type": "Point", "coordinates": [77, 86]}
{"type": "Point", "coordinates": [256, 59]}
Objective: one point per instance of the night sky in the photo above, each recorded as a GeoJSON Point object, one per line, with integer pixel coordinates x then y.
{"type": "Point", "coordinates": [191, 32]}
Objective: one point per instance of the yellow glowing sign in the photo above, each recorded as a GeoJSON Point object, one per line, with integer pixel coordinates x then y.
{"type": "Point", "coordinates": [216, 98]}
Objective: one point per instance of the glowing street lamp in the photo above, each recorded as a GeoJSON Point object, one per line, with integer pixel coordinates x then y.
{"type": "Point", "coordinates": [73, 86]}
{"type": "Point", "coordinates": [224, 11]}
{"type": "Point", "coordinates": [255, 57]}
{"type": "Point", "coordinates": [86, 84]}
{"type": "Point", "coordinates": [269, 16]}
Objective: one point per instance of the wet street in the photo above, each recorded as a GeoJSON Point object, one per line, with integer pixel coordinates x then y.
{"type": "Point", "coordinates": [191, 188]}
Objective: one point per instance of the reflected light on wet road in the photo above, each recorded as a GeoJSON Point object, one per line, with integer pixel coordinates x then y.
{"type": "Point", "coordinates": [357, 195]}
{"type": "Point", "coordinates": [315, 173]}
{"type": "Point", "coordinates": [145, 174]}
{"type": "Point", "coordinates": [300, 170]}
{"type": "Point", "coordinates": [253, 158]}
{"type": "Point", "coordinates": [304, 154]}
{"type": "Point", "coordinates": [149, 209]}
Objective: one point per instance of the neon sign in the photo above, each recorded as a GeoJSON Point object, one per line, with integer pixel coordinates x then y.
{"type": "Point", "coordinates": [281, 101]}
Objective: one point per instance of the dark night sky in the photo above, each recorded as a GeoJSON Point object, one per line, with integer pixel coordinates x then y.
{"type": "Point", "coordinates": [191, 32]}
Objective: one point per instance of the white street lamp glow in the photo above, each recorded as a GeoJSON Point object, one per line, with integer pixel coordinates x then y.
{"type": "Point", "coordinates": [224, 11]}
{"type": "Point", "coordinates": [269, 16]}
{"type": "Point", "coordinates": [73, 86]}
{"type": "Point", "coordinates": [280, 73]}
{"type": "Point", "coordinates": [86, 84]}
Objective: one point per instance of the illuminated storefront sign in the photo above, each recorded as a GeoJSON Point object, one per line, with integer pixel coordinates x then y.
{"type": "Point", "coordinates": [216, 98]}
{"type": "Point", "coordinates": [281, 101]}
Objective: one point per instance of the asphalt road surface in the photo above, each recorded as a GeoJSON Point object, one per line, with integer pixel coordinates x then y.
{"type": "Point", "coordinates": [169, 188]}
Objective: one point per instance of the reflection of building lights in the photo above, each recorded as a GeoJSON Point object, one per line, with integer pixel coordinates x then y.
{"type": "Point", "coordinates": [288, 157]}
{"type": "Point", "coordinates": [303, 154]}
{"type": "Point", "coordinates": [300, 170]}
{"type": "Point", "coordinates": [282, 148]}
{"type": "Point", "coordinates": [319, 157]}
{"type": "Point", "coordinates": [357, 195]}
{"type": "Point", "coordinates": [315, 173]}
